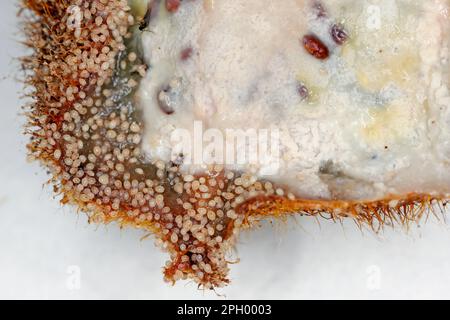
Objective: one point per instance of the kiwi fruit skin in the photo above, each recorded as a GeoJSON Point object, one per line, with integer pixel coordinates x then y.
{"type": "Point", "coordinates": [83, 127]}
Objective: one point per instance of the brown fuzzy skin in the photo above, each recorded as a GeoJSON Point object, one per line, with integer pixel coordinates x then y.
{"type": "Point", "coordinates": [195, 219]}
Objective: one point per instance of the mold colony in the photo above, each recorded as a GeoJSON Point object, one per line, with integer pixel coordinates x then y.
{"type": "Point", "coordinates": [351, 101]}
{"type": "Point", "coordinates": [85, 128]}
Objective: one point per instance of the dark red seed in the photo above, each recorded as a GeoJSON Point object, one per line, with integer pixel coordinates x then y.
{"type": "Point", "coordinates": [172, 5]}
{"type": "Point", "coordinates": [315, 47]}
{"type": "Point", "coordinates": [339, 34]}
{"type": "Point", "coordinates": [186, 54]}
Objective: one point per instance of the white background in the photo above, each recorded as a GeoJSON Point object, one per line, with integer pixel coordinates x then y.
{"type": "Point", "coordinates": [41, 244]}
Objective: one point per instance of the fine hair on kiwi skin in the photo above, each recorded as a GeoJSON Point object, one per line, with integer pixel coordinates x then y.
{"type": "Point", "coordinates": [85, 129]}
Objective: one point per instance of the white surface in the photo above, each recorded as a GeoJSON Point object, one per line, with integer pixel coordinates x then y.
{"type": "Point", "coordinates": [40, 241]}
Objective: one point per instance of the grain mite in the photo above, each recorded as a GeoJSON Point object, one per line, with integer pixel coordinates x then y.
{"type": "Point", "coordinates": [84, 127]}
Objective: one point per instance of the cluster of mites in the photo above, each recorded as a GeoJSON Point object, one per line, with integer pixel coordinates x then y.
{"type": "Point", "coordinates": [94, 153]}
